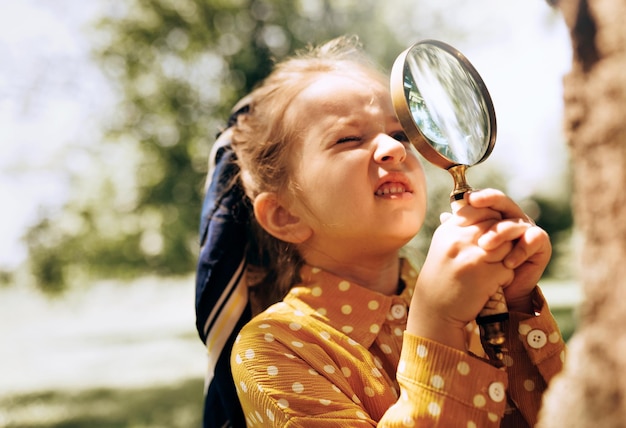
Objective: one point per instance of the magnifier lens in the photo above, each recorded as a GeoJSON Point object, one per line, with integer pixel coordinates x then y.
{"type": "Point", "coordinates": [447, 104]}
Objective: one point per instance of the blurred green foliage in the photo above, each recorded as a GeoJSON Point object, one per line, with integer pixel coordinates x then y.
{"type": "Point", "coordinates": [179, 66]}
{"type": "Point", "coordinates": [178, 405]}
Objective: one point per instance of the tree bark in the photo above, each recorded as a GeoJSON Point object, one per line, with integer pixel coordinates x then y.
{"type": "Point", "coordinates": [591, 391]}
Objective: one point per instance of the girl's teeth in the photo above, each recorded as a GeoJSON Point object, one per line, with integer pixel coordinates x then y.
{"type": "Point", "coordinates": [388, 190]}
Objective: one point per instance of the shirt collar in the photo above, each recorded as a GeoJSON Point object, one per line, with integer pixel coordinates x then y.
{"type": "Point", "coordinates": [347, 306]}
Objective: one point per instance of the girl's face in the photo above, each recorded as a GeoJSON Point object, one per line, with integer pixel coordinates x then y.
{"type": "Point", "coordinates": [360, 185]}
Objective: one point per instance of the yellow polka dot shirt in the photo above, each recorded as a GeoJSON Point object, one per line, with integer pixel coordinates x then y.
{"type": "Point", "coordinates": [335, 354]}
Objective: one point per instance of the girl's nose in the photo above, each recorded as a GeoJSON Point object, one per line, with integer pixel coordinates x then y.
{"type": "Point", "coordinates": [389, 150]}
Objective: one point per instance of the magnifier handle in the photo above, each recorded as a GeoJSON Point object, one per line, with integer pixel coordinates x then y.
{"type": "Point", "coordinates": [490, 322]}
{"type": "Point", "coordinates": [491, 318]}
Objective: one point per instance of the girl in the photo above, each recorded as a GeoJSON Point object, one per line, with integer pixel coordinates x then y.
{"type": "Point", "coordinates": [337, 191]}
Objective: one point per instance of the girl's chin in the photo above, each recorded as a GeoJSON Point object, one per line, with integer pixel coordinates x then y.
{"type": "Point", "coordinates": [409, 229]}
{"type": "Point", "coordinates": [402, 239]}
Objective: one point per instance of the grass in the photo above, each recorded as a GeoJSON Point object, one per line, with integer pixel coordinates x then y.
{"type": "Point", "coordinates": [175, 406]}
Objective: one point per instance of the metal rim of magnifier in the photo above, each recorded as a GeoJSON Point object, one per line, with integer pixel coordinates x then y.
{"type": "Point", "coordinates": [401, 106]}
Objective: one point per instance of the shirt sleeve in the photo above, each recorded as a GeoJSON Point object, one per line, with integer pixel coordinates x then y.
{"type": "Point", "coordinates": [442, 386]}
{"type": "Point", "coordinates": [536, 352]}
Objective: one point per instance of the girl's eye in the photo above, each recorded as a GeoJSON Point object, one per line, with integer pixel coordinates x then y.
{"type": "Point", "coordinates": [400, 136]}
{"type": "Point", "coordinates": [348, 139]}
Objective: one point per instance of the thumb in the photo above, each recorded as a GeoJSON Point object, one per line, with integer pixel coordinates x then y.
{"type": "Point", "coordinates": [443, 217]}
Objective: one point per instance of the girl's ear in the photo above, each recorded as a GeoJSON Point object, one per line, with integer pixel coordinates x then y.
{"type": "Point", "coordinates": [279, 221]}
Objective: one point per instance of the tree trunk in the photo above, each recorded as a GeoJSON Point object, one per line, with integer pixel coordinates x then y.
{"type": "Point", "coordinates": [591, 391]}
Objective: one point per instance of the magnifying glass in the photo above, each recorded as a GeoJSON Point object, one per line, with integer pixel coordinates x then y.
{"type": "Point", "coordinates": [446, 112]}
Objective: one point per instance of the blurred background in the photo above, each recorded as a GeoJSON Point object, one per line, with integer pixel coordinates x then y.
{"type": "Point", "coordinates": [108, 111]}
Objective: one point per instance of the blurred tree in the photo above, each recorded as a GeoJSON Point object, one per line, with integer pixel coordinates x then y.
{"type": "Point", "coordinates": [591, 392]}
{"type": "Point", "coordinates": [179, 66]}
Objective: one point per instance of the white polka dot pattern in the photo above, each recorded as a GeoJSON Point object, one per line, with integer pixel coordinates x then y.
{"type": "Point", "coordinates": [335, 348]}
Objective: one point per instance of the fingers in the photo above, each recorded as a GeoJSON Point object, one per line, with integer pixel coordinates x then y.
{"type": "Point", "coordinates": [498, 254]}
{"type": "Point", "coordinates": [534, 245]}
{"type": "Point", "coordinates": [487, 204]}
{"type": "Point", "coordinates": [529, 241]}
{"type": "Point", "coordinates": [504, 238]}
{"type": "Point", "coordinates": [497, 201]}
{"type": "Point", "coordinates": [469, 215]}
{"type": "Point", "coordinates": [494, 270]}
{"type": "Point", "coordinates": [502, 231]}
{"type": "Point", "coordinates": [528, 259]}
{"type": "Point", "coordinates": [491, 238]}
{"type": "Point", "coordinates": [515, 226]}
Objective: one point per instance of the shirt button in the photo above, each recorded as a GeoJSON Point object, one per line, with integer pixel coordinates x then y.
{"type": "Point", "coordinates": [536, 339]}
{"type": "Point", "coordinates": [398, 311]}
{"type": "Point", "coordinates": [496, 391]}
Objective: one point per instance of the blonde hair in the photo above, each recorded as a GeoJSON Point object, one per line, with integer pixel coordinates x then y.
{"type": "Point", "coordinates": [263, 142]}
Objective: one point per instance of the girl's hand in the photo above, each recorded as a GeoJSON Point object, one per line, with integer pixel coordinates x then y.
{"type": "Point", "coordinates": [486, 244]}
{"type": "Point", "coordinates": [530, 253]}
{"type": "Point", "coordinates": [459, 275]}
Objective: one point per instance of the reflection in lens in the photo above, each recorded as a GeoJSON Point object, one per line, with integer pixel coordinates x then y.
{"type": "Point", "coordinates": [446, 104]}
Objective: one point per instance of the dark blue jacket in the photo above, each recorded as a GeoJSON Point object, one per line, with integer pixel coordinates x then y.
{"type": "Point", "coordinates": [222, 306]}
